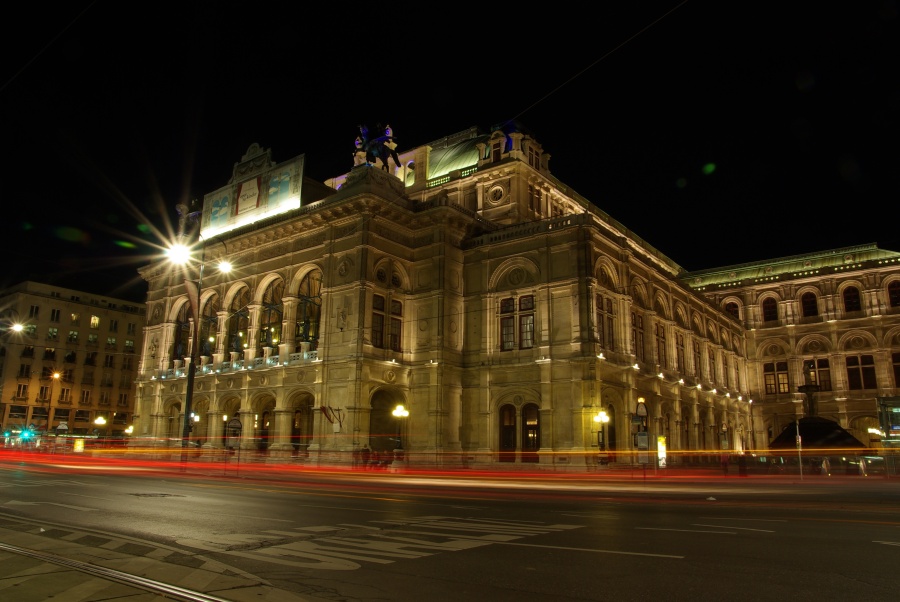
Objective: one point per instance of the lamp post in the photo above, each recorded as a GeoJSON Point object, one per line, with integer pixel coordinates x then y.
{"type": "Point", "coordinates": [602, 419]}
{"type": "Point", "coordinates": [400, 413]}
{"type": "Point", "coordinates": [752, 432]}
{"type": "Point", "coordinates": [799, 441]}
{"type": "Point", "coordinates": [180, 254]}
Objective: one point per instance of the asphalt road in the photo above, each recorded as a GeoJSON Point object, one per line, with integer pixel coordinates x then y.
{"type": "Point", "coordinates": [291, 535]}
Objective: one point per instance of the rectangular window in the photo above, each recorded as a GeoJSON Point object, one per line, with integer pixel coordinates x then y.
{"type": "Point", "coordinates": [129, 346]}
{"type": "Point", "coordinates": [775, 377]}
{"type": "Point", "coordinates": [30, 330]}
{"type": "Point", "coordinates": [86, 396]}
{"type": "Point", "coordinates": [109, 361]}
{"type": "Point", "coordinates": [695, 349]}
{"type": "Point", "coordinates": [507, 333]}
{"type": "Point", "coordinates": [113, 325]}
{"type": "Point", "coordinates": [637, 336]}
{"type": "Point", "coordinates": [110, 342]}
{"type": "Point", "coordinates": [44, 393]}
{"type": "Point", "coordinates": [605, 323]}
{"type": "Point", "coordinates": [127, 363]}
{"type": "Point", "coordinates": [819, 373]}
{"type": "Point", "coordinates": [711, 353]}
{"type": "Point", "coordinates": [95, 322]}
{"type": "Point", "coordinates": [76, 319]}
{"type": "Point", "coordinates": [53, 334]}
{"type": "Point", "coordinates": [132, 329]}
{"type": "Point", "coordinates": [24, 370]}
{"type": "Point", "coordinates": [104, 398]}
{"type": "Point", "coordinates": [895, 358]}
{"type": "Point", "coordinates": [18, 412]}
{"type": "Point", "coordinates": [22, 391]}
{"type": "Point", "coordinates": [861, 372]}
{"type": "Point", "coordinates": [92, 339]}
{"type": "Point", "coordinates": [396, 324]}
{"type": "Point", "coordinates": [50, 353]}
{"type": "Point", "coordinates": [73, 336]}
{"type": "Point", "coordinates": [54, 315]}
{"type": "Point", "coordinates": [123, 399]}
{"type": "Point", "coordinates": [65, 394]}
{"type": "Point", "coordinates": [61, 414]}
{"type": "Point", "coordinates": [107, 380]}
{"type": "Point", "coordinates": [34, 311]}
{"type": "Point", "coordinates": [68, 375]}
{"type": "Point", "coordinates": [517, 323]}
{"type": "Point", "coordinates": [679, 352]}
{"type": "Point", "coordinates": [378, 306]}
{"type": "Point", "coordinates": [90, 359]}
{"type": "Point", "coordinates": [661, 345]}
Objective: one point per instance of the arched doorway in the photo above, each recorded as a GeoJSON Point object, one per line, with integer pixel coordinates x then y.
{"type": "Point", "coordinates": [507, 446]}
{"type": "Point", "coordinates": [383, 425]}
{"type": "Point", "coordinates": [531, 432]}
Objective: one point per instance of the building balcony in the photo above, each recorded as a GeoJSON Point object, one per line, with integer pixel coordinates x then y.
{"type": "Point", "coordinates": [259, 363]}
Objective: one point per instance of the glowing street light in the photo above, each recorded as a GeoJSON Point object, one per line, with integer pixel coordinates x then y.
{"type": "Point", "coordinates": [602, 419]}
{"type": "Point", "coordinates": [400, 413]}
{"type": "Point", "coordinates": [181, 254]}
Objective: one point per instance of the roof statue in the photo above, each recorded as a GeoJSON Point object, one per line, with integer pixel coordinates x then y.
{"type": "Point", "coordinates": [379, 148]}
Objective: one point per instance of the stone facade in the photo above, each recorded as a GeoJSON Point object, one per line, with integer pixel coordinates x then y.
{"type": "Point", "coordinates": [505, 312]}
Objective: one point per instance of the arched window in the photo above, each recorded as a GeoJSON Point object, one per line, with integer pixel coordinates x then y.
{"type": "Point", "coordinates": [238, 321]}
{"type": "Point", "coordinates": [309, 310]}
{"type": "Point", "coordinates": [851, 299]}
{"type": "Point", "coordinates": [182, 336]}
{"type": "Point", "coordinates": [894, 293]}
{"type": "Point", "coordinates": [732, 309]}
{"type": "Point", "coordinates": [209, 326]}
{"type": "Point", "coordinates": [809, 305]}
{"type": "Point", "coordinates": [769, 309]}
{"type": "Point", "coordinates": [270, 315]}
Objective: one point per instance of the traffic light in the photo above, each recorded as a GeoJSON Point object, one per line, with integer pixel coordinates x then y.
{"type": "Point", "coordinates": [26, 434]}
{"type": "Point", "coordinates": [6, 433]}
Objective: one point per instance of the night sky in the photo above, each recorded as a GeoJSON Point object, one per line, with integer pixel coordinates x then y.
{"type": "Point", "coordinates": [719, 132]}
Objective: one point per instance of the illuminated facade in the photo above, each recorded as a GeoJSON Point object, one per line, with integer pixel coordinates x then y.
{"type": "Point", "coordinates": [504, 312]}
{"type": "Point", "coordinates": [75, 360]}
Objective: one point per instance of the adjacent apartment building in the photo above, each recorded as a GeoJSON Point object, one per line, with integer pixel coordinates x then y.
{"type": "Point", "coordinates": [516, 323]}
{"type": "Point", "coordinates": [68, 363]}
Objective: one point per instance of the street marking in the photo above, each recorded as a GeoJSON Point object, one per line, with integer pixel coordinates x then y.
{"type": "Point", "coordinates": [738, 528]}
{"type": "Point", "coordinates": [18, 503]}
{"type": "Point", "coordinates": [596, 551]}
{"type": "Point", "coordinates": [686, 530]}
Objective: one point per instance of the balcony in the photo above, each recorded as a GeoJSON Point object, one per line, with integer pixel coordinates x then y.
{"type": "Point", "coordinates": [259, 363]}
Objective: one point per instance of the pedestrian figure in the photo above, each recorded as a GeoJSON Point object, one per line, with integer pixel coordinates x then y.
{"type": "Point", "coordinates": [364, 455]}
{"type": "Point", "coordinates": [376, 459]}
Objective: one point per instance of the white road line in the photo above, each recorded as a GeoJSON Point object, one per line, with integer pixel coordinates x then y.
{"type": "Point", "coordinates": [686, 530]}
{"type": "Point", "coordinates": [738, 528]}
{"type": "Point", "coordinates": [531, 545]}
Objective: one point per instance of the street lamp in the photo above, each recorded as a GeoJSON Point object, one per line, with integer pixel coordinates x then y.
{"type": "Point", "coordinates": [799, 442]}
{"type": "Point", "coordinates": [181, 255]}
{"type": "Point", "coordinates": [101, 421]}
{"type": "Point", "coordinates": [602, 418]}
{"type": "Point", "coordinates": [400, 413]}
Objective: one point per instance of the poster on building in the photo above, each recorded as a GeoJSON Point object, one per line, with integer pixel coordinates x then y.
{"type": "Point", "coordinates": [661, 451]}
{"type": "Point", "coordinates": [265, 193]}
{"type": "Point", "coordinates": [248, 195]}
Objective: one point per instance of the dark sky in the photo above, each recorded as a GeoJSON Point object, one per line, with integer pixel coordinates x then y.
{"type": "Point", "coordinates": [720, 132]}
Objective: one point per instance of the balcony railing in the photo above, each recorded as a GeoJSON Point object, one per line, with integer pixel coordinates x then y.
{"type": "Point", "coordinates": [258, 363]}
